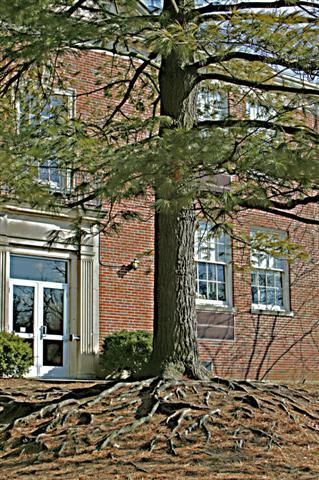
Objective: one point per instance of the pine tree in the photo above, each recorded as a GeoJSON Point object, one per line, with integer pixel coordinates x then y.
{"type": "Point", "coordinates": [266, 52]}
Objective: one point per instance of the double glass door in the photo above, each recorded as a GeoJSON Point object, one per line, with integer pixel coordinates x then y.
{"type": "Point", "coordinates": [38, 314]}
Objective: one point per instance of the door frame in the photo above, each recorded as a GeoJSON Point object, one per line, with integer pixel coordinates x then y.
{"type": "Point", "coordinates": [38, 336]}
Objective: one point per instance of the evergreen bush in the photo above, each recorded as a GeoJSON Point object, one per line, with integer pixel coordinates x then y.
{"type": "Point", "coordinates": [15, 355]}
{"type": "Point", "coordinates": [126, 351]}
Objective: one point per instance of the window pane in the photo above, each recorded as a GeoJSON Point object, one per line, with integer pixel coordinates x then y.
{"type": "Point", "coordinates": [253, 278]}
{"type": "Point", "coordinates": [263, 297]}
{"type": "Point", "coordinates": [23, 308]}
{"type": "Point", "coordinates": [212, 293]}
{"type": "Point", "coordinates": [254, 293]}
{"type": "Point", "coordinates": [278, 282]}
{"type": "Point", "coordinates": [53, 353]}
{"type": "Point", "coordinates": [40, 269]}
{"type": "Point", "coordinates": [279, 298]}
{"type": "Point", "coordinates": [30, 342]}
{"type": "Point", "coordinates": [279, 263]}
{"type": "Point", "coordinates": [44, 171]}
{"type": "Point", "coordinates": [202, 271]}
{"type": "Point", "coordinates": [202, 289]}
{"type": "Point", "coordinates": [53, 310]}
{"type": "Point", "coordinates": [221, 273]}
{"type": "Point", "coordinates": [211, 271]}
{"type": "Point", "coordinates": [262, 279]}
{"type": "Point", "coordinates": [270, 279]}
{"type": "Point", "coordinates": [271, 296]}
{"type": "Point", "coordinates": [221, 292]}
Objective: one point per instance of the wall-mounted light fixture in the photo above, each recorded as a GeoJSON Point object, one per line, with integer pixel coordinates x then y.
{"type": "Point", "coordinates": [122, 269]}
{"type": "Point", "coordinates": [134, 264]}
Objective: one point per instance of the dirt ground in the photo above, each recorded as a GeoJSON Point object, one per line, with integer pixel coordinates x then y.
{"type": "Point", "coordinates": [160, 430]}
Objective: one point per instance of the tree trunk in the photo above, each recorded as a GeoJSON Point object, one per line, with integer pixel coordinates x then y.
{"type": "Point", "coordinates": [175, 346]}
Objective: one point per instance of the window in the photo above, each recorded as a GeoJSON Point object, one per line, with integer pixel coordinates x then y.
{"type": "Point", "coordinates": [154, 4]}
{"type": "Point", "coordinates": [211, 105]}
{"type": "Point", "coordinates": [256, 111]}
{"type": "Point", "coordinates": [213, 266]}
{"type": "Point", "coordinates": [269, 278]}
{"type": "Point", "coordinates": [35, 115]}
{"type": "Point", "coordinates": [38, 268]}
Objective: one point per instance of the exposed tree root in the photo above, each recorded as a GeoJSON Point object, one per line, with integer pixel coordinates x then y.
{"type": "Point", "coordinates": [162, 417]}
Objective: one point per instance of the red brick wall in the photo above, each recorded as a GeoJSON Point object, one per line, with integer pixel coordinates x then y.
{"type": "Point", "coordinates": [266, 345]}
{"type": "Point", "coordinates": [126, 296]}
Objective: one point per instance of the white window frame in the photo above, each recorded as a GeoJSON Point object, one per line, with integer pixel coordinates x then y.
{"type": "Point", "coordinates": [207, 101]}
{"type": "Point", "coordinates": [270, 267]}
{"type": "Point", "coordinates": [65, 183]}
{"type": "Point", "coordinates": [205, 227]}
{"type": "Point", "coordinates": [256, 111]}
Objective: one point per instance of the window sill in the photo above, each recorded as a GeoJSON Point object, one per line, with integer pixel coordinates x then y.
{"type": "Point", "coordinates": [214, 307]}
{"type": "Point", "coordinates": [272, 312]}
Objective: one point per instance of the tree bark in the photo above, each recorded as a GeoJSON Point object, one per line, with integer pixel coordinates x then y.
{"type": "Point", "coordinates": [175, 345]}
{"type": "Point", "coordinates": [175, 350]}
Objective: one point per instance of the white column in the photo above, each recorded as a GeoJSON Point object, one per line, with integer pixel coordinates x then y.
{"type": "Point", "coordinates": [88, 314]}
{"type": "Point", "coordinates": [3, 271]}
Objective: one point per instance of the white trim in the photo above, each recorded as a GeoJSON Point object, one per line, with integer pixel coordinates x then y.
{"type": "Point", "coordinates": [43, 253]}
{"type": "Point", "coordinates": [46, 213]}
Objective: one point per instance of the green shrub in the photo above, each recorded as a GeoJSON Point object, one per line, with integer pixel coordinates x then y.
{"type": "Point", "coordinates": [125, 350]}
{"type": "Point", "coordinates": [15, 355]}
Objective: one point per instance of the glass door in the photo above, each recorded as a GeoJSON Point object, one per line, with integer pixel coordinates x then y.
{"type": "Point", "coordinates": [52, 330]}
{"type": "Point", "coordinates": [38, 314]}
{"type": "Point", "coordinates": [23, 315]}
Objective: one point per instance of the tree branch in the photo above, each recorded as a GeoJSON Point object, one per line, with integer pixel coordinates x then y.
{"type": "Point", "coordinates": [295, 202]}
{"type": "Point", "coordinates": [259, 85]}
{"type": "Point", "coordinates": [75, 7]}
{"type": "Point", "coordinates": [130, 87]}
{"type": "Point", "coordinates": [278, 212]}
{"type": "Point", "coordinates": [124, 54]}
{"type": "Point", "coordinates": [253, 6]}
{"type": "Point", "coordinates": [297, 17]}
{"type": "Point", "coordinates": [252, 57]}
{"type": "Point", "coordinates": [290, 130]}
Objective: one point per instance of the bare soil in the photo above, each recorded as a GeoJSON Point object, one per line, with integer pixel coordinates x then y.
{"type": "Point", "coordinates": [155, 429]}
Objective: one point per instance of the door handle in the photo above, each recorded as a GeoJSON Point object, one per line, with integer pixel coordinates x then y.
{"type": "Point", "coordinates": [43, 330]}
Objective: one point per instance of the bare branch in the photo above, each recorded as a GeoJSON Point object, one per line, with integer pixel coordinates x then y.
{"type": "Point", "coordinates": [130, 87]}
{"type": "Point", "coordinates": [290, 130]}
{"type": "Point", "coordinates": [15, 78]}
{"type": "Point", "coordinates": [295, 202]}
{"type": "Point", "coordinates": [211, 8]}
{"type": "Point", "coordinates": [105, 87]}
{"type": "Point", "coordinates": [259, 85]}
{"type": "Point", "coordinates": [125, 54]}
{"type": "Point", "coordinates": [246, 203]}
{"type": "Point", "coordinates": [254, 57]}
{"type": "Point", "coordinates": [75, 7]}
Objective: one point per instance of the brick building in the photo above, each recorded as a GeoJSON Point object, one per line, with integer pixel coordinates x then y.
{"type": "Point", "coordinates": [258, 315]}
